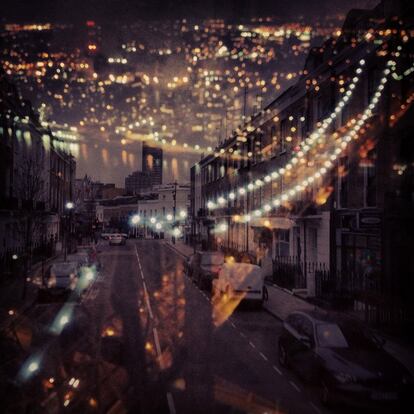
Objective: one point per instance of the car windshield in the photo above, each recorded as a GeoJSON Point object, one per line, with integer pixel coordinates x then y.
{"type": "Point", "coordinates": [344, 335]}
{"type": "Point", "coordinates": [63, 268]}
{"type": "Point", "coordinates": [330, 336]}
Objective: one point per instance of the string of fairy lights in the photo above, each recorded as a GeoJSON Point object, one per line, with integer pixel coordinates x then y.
{"type": "Point", "coordinates": [328, 158]}
{"type": "Point", "coordinates": [248, 127]}
{"type": "Point", "coordinates": [313, 139]}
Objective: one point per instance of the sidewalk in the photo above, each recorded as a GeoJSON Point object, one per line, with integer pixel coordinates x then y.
{"type": "Point", "coordinates": [282, 302]}
{"type": "Point", "coordinates": [11, 291]}
{"type": "Point", "coordinates": [181, 248]}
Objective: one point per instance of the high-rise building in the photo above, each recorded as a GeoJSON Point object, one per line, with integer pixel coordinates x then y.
{"type": "Point", "coordinates": [138, 182]}
{"type": "Point", "coordinates": [152, 163]}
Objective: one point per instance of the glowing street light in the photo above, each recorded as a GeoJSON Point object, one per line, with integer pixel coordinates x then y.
{"type": "Point", "coordinates": [222, 227]}
{"type": "Point", "coordinates": [169, 217]}
{"type": "Point", "coordinates": [135, 219]}
{"type": "Point", "coordinates": [69, 205]}
{"type": "Point", "coordinates": [183, 214]}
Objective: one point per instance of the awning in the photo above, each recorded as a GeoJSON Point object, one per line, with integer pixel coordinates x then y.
{"type": "Point", "coordinates": [283, 223]}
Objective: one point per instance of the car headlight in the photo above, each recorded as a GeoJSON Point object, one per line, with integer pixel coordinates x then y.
{"type": "Point", "coordinates": [344, 378]}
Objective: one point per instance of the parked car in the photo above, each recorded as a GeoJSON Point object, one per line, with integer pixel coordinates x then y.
{"type": "Point", "coordinates": [242, 281]}
{"type": "Point", "coordinates": [117, 239]}
{"type": "Point", "coordinates": [63, 275]}
{"type": "Point", "coordinates": [82, 258]}
{"type": "Point", "coordinates": [108, 232]}
{"type": "Point", "coordinates": [344, 358]}
{"type": "Point", "coordinates": [203, 267]}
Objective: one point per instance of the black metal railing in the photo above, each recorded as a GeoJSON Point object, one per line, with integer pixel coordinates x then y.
{"type": "Point", "coordinates": [289, 272]}
{"type": "Point", "coordinates": [362, 294]}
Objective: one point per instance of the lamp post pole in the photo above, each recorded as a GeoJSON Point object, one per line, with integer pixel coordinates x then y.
{"type": "Point", "coordinates": [174, 207]}
{"type": "Point", "coordinates": [68, 226]}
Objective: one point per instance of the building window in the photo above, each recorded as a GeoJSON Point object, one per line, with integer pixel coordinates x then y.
{"type": "Point", "coordinates": [282, 242]}
{"type": "Point", "coordinates": [312, 244]}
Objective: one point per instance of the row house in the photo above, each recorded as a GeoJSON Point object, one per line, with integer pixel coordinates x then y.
{"type": "Point", "coordinates": [164, 204]}
{"type": "Point", "coordinates": [346, 230]}
{"type": "Point", "coordinates": [36, 178]}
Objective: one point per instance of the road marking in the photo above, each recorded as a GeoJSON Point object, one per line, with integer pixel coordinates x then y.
{"type": "Point", "coordinates": [157, 341]}
{"type": "Point", "coordinates": [263, 356]}
{"type": "Point", "coordinates": [277, 370]}
{"type": "Point", "coordinates": [252, 344]}
{"type": "Point", "coordinates": [242, 334]}
{"type": "Point", "coordinates": [176, 251]}
{"type": "Point", "coordinates": [294, 386]}
{"type": "Point", "coordinates": [149, 307]}
{"type": "Point", "coordinates": [315, 407]}
{"type": "Point", "coordinates": [170, 401]}
{"type": "Point", "coordinates": [232, 324]}
{"type": "Point", "coordinates": [145, 286]}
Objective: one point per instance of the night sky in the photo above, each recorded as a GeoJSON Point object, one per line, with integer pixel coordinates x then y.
{"type": "Point", "coordinates": [111, 162]}
{"type": "Point", "coordinates": [104, 10]}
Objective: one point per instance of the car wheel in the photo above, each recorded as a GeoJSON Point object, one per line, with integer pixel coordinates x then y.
{"type": "Point", "coordinates": [283, 356]}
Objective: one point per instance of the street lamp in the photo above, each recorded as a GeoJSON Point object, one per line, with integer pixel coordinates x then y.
{"type": "Point", "coordinates": [69, 206]}
{"type": "Point", "coordinates": [222, 227]}
{"type": "Point", "coordinates": [176, 232]}
{"type": "Point", "coordinates": [135, 219]}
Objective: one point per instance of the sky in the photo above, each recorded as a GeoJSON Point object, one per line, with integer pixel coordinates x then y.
{"type": "Point", "coordinates": [102, 10]}
{"type": "Point", "coordinates": [113, 11]}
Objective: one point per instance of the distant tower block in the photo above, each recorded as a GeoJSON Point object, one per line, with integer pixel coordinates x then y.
{"type": "Point", "coordinates": [152, 163]}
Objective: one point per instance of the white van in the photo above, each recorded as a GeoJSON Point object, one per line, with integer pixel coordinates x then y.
{"type": "Point", "coordinates": [243, 280]}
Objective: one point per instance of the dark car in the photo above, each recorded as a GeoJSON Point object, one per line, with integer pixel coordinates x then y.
{"type": "Point", "coordinates": [344, 358]}
{"type": "Point", "coordinates": [203, 267]}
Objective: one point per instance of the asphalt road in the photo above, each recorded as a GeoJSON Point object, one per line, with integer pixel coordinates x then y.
{"type": "Point", "coordinates": [182, 351]}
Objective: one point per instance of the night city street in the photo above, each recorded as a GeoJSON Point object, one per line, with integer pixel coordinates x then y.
{"type": "Point", "coordinates": [206, 206]}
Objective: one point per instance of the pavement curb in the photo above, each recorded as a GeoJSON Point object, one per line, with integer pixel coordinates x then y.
{"type": "Point", "coordinates": [176, 250]}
